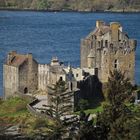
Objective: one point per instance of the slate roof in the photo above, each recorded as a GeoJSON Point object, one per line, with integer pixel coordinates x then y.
{"type": "Point", "coordinates": [18, 60]}
{"type": "Point", "coordinates": [100, 31]}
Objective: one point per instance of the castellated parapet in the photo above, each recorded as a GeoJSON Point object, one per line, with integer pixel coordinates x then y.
{"type": "Point", "coordinates": [108, 48]}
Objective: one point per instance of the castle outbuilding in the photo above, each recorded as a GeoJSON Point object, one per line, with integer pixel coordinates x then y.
{"type": "Point", "coordinates": [109, 48]}
{"type": "Point", "coordinates": [20, 74]}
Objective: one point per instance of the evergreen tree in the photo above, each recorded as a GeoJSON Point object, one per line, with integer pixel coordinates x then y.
{"type": "Point", "coordinates": [61, 108]}
{"type": "Point", "coordinates": [116, 114]}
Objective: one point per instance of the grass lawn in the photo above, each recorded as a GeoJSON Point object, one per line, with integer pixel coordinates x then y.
{"type": "Point", "coordinates": [92, 111]}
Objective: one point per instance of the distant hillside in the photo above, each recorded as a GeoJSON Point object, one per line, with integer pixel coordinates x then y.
{"type": "Point", "coordinates": [72, 5]}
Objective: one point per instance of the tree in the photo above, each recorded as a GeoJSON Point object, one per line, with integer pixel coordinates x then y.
{"type": "Point", "coordinates": [61, 106]}
{"type": "Point", "coordinates": [116, 113]}
{"type": "Point", "coordinates": [124, 3]}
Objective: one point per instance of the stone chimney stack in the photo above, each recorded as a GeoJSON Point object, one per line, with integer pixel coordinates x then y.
{"type": "Point", "coordinates": [99, 23]}
{"type": "Point", "coordinates": [115, 28]}
{"type": "Point", "coordinates": [10, 56]}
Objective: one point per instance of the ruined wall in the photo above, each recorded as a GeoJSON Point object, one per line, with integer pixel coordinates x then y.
{"type": "Point", "coordinates": [43, 76]}
{"type": "Point", "coordinates": [32, 73]}
{"type": "Point", "coordinates": [10, 80]}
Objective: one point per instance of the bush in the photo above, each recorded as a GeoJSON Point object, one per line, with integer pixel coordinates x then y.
{"type": "Point", "coordinates": [39, 123]}
{"type": "Point", "coordinates": [83, 104]}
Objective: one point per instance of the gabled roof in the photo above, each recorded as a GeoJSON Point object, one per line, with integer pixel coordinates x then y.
{"type": "Point", "coordinates": [18, 60]}
{"type": "Point", "coordinates": [101, 31]}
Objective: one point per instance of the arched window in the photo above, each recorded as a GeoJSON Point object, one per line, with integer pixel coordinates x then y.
{"type": "Point", "coordinates": [116, 64]}
{"type": "Point", "coordinates": [25, 90]}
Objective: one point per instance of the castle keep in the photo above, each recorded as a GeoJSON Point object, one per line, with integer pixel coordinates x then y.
{"type": "Point", "coordinates": [107, 48]}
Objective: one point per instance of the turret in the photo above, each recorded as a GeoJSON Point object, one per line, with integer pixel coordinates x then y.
{"type": "Point", "coordinates": [55, 62]}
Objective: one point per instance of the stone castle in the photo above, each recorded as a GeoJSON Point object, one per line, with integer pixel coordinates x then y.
{"type": "Point", "coordinates": [103, 50]}
{"type": "Point", "coordinates": [107, 48]}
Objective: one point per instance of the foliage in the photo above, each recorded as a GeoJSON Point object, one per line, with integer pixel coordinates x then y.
{"type": "Point", "coordinates": [83, 104]}
{"type": "Point", "coordinates": [61, 105]}
{"type": "Point", "coordinates": [12, 106]}
{"type": "Point", "coordinates": [116, 114]}
{"type": "Point", "coordinates": [39, 122]}
{"type": "Point", "coordinates": [77, 5]}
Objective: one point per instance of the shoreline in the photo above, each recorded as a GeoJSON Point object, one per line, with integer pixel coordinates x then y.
{"type": "Point", "coordinates": [70, 11]}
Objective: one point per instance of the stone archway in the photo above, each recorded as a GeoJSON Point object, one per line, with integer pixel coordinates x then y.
{"type": "Point", "coordinates": [25, 90]}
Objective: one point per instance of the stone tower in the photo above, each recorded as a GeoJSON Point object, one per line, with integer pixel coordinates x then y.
{"type": "Point", "coordinates": [108, 48]}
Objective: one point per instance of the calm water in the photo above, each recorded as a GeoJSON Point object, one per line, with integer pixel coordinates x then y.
{"type": "Point", "coordinates": [57, 34]}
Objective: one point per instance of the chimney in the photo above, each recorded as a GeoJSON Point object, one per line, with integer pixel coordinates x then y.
{"type": "Point", "coordinates": [10, 56]}
{"type": "Point", "coordinates": [115, 28]}
{"type": "Point", "coordinates": [99, 23]}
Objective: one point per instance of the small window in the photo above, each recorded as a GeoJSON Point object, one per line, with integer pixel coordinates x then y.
{"type": "Point", "coordinates": [76, 74]}
{"type": "Point", "coordinates": [61, 78]}
{"type": "Point", "coordinates": [116, 64]}
{"type": "Point", "coordinates": [106, 43]}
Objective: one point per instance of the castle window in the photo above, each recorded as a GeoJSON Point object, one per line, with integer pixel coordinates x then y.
{"type": "Point", "coordinates": [106, 43]}
{"type": "Point", "coordinates": [129, 65]}
{"type": "Point", "coordinates": [116, 64]}
{"type": "Point", "coordinates": [76, 74]}
{"type": "Point", "coordinates": [61, 79]}
{"type": "Point", "coordinates": [25, 90]}
{"type": "Point", "coordinates": [91, 45]}
{"type": "Point", "coordinates": [99, 43]}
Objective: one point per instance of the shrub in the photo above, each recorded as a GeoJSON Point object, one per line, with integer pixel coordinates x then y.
{"type": "Point", "coordinates": [39, 123]}
{"type": "Point", "coordinates": [83, 104]}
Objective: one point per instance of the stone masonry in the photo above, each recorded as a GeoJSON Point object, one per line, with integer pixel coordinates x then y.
{"type": "Point", "coordinates": [108, 48]}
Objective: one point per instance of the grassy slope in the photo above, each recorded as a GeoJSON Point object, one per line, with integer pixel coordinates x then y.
{"type": "Point", "coordinates": [13, 112]}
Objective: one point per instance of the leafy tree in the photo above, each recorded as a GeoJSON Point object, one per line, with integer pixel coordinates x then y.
{"type": "Point", "coordinates": [124, 3]}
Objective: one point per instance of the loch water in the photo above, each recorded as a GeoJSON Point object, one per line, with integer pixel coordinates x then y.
{"type": "Point", "coordinates": [48, 34]}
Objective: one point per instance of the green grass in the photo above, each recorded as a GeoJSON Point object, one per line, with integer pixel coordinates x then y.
{"type": "Point", "coordinates": [93, 110]}
{"type": "Point", "coordinates": [13, 107]}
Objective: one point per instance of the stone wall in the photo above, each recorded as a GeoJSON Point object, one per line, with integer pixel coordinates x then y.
{"type": "Point", "coordinates": [43, 76]}
{"type": "Point", "coordinates": [10, 80]}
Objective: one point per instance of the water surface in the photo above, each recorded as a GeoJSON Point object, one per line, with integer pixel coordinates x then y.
{"type": "Point", "coordinates": [48, 34]}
